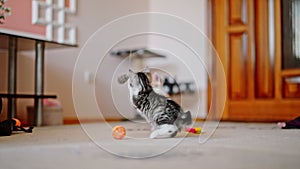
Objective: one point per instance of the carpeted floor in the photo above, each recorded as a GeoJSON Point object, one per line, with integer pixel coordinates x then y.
{"type": "Point", "coordinates": [233, 145]}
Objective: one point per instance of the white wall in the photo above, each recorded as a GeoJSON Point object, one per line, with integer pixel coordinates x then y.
{"type": "Point", "coordinates": [91, 15]}
{"type": "Point", "coordinates": [181, 61]}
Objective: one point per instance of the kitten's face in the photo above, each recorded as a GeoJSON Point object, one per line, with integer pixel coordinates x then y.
{"type": "Point", "coordinates": [138, 81]}
{"type": "Point", "coordinates": [133, 83]}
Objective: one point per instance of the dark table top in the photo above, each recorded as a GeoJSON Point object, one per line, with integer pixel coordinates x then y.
{"type": "Point", "coordinates": [27, 41]}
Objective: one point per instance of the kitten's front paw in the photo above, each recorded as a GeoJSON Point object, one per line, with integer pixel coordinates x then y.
{"type": "Point", "coordinates": [154, 134]}
{"type": "Point", "coordinates": [164, 131]}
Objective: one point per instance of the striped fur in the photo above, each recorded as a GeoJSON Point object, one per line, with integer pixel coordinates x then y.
{"type": "Point", "coordinates": [165, 115]}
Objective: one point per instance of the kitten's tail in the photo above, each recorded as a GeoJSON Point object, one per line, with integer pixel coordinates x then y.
{"type": "Point", "coordinates": [184, 119]}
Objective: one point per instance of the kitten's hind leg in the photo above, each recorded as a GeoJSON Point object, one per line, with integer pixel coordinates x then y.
{"type": "Point", "coordinates": [164, 131]}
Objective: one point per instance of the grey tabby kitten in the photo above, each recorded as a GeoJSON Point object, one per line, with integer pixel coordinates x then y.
{"type": "Point", "coordinates": [165, 115]}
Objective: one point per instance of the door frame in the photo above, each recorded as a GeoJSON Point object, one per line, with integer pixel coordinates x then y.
{"type": "Point", "coordinates": [262, 94]}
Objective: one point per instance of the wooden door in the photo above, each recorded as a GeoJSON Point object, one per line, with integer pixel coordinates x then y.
{"type": "Point", "coordinates": [250, 48]}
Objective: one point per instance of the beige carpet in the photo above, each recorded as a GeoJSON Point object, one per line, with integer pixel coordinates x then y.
{"type": "Point", "coordinates": [233, 145]}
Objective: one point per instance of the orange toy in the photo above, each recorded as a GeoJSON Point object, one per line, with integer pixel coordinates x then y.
{"type": "Point", "coordinates": [18, 122]}
{"type": "Point", "coordinates": [119, 132]}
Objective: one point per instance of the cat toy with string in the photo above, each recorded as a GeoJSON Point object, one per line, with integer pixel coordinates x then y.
{"type": "Point", "coordinates": [123, 78]}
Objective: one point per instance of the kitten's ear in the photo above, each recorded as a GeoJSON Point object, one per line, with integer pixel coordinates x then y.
{"type": "Point", "coordinates": [156, 77]}
{"type": "Point", "coordinates": [147, 70]}
{"type": "Point", "coordinates": [131, 73]}
{"type": "Point", "coordinates": [148, 73]}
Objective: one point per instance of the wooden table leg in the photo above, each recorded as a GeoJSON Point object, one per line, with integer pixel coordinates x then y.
{"type": "Point", "coordinates": [39, 81]}
{"type": "Point", "coordinates": [12, 76]}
